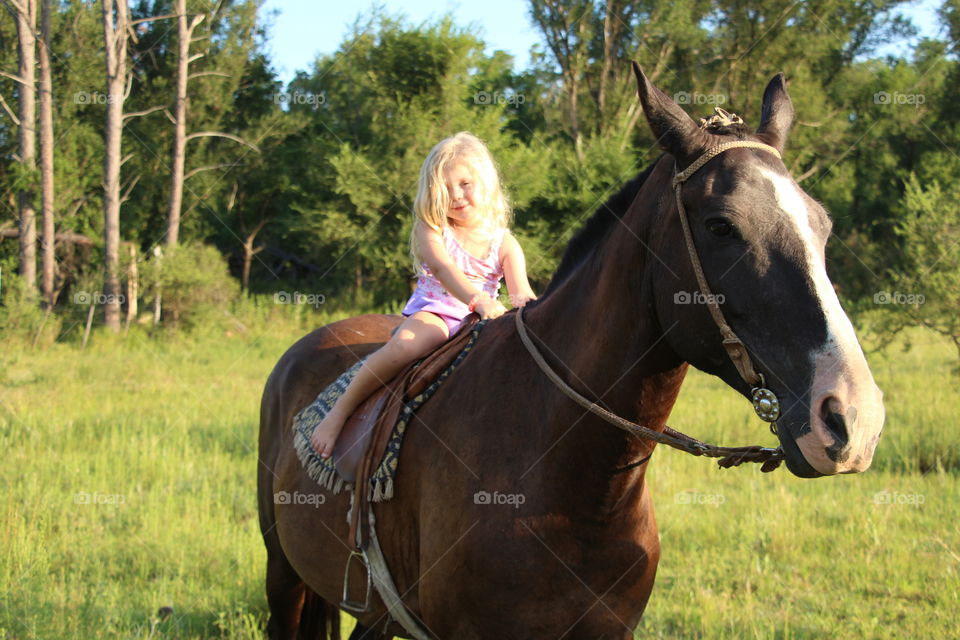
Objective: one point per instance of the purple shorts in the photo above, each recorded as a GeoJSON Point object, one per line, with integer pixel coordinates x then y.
{"type": "Point", "coordinates": [448, 312]}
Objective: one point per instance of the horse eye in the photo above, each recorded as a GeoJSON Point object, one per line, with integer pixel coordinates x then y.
{"type": "Point", "coordinates": [720, 227]}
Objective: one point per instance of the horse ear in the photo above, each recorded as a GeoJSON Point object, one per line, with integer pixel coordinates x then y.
{"type": "Point", "coordinates": [676, 132]}
{"type": "Point", "coordinates": [777, 115]}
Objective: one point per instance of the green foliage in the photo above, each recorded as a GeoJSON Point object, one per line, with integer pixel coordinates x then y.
{"type": "Point", "coordinates": [193, 282]}
{"type": "Point", "coordinates": [20, 315]}
{"type": "Point", "coordinates": [389, 94]}
{"type": "Point", "coordinates": [927, 291]}
{"type": "Point", "coordinates": [324, 203]}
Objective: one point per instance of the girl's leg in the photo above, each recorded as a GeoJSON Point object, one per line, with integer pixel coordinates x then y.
{"type": "Point", "coordinates": [414, 338]}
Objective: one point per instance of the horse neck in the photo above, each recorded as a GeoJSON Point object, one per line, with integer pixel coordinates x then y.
{"type": "Point", "coordinates": [598, 330]}
{"type": "Point", "coordinates": [598, 327]}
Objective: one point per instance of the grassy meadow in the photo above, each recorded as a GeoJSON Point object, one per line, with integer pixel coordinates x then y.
{"type": "Point", "coordinates": [129, 486]}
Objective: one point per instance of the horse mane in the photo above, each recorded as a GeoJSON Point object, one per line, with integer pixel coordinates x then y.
{"type": "Point", "coordinates": [596, 228]}
{"type": "Point", "coordinates": [605, 218]}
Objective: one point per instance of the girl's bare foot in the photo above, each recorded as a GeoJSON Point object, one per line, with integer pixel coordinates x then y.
{"type": "Point", "coordinates": [325, 435]}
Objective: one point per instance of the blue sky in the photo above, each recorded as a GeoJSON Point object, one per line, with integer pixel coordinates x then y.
{"type": "Point", "coordinates": [305, 28]}
{"type": "Point", "coordinates": [302, 29]}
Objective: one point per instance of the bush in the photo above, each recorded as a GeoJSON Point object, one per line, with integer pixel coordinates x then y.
{"type": "Point", "coordinates": [194, 285]}
{"type": "Point", "coordinates": [20, 314]}
{"type": "Point", "coordinates": [925, 293]}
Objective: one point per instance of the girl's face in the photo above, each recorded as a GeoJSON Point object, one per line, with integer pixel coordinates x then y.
{"type": "Point", "coordinates": [461, 187]}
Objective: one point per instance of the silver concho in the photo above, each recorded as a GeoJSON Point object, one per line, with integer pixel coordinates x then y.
{"type": "Point", "coordinates": [766, 404]}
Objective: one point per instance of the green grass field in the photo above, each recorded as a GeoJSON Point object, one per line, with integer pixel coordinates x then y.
{"type": "Point", "coordinates": [129, 485]}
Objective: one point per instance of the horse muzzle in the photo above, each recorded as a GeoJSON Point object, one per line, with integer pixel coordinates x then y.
{"type": "Point", "coordinates": [844, 418]}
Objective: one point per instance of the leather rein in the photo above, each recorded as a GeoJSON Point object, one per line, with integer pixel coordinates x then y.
{"type": "Point", "coordinates": [765, 402]}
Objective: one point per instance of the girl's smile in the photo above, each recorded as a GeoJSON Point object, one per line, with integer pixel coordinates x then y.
{"type": "Point", "coordinates": [460, 184]}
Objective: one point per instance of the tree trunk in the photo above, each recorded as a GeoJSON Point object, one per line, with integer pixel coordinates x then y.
{"type": "Point", "coordinates": [46, 161]}
{"type": "Point", "coordinates": [180, 125]}
{"type": "Point", "coordinates": [612, 24]}
{"type": "Point", "coordinates": [26, 15]}
{"type": "Point", "coordinates": [133, 286]}
{"type": "Point", "coordinates": [248, 253]}
{"type": "Point", "coordinates": [115, 41]}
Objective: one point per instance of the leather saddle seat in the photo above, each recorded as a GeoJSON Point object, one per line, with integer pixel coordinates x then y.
{"type": "Point", "coordinates": [367, 432]}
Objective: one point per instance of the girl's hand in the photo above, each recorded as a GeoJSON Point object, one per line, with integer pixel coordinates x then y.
{"type": "Point", "coordinates": [520, 300]}
{"type": "Point", "coordinates": [488, 308]}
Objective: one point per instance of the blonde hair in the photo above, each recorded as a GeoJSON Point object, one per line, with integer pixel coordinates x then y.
{"type": "Point", "coordinates": [433, 201]}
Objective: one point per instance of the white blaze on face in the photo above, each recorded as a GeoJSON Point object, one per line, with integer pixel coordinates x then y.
{"type": "Point", "coordinates": [792, 202]}
{"type": "Point", "coordinates": [841, 375]}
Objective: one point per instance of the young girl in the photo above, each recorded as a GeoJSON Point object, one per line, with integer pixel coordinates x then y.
{"type": "Point", "coordinates": [461, 248]}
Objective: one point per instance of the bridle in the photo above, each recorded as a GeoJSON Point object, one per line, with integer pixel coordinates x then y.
{"type": "Point", "coordinates": [765, 402]}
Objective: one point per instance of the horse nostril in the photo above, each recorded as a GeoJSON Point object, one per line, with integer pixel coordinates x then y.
{"type": "Point", "coordinates": [835, 421]}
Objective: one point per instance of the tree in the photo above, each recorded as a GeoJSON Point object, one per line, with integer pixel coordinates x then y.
{"type": "Point", "coordinates": [184, 35]}
{"type": "Point", "coordinates": [926, 291]}
{"type": "Point", "coordinates": [116, 25]}
{"type": "Point", "coordinates": [180, 138]}
{"type": "Point", "coordinates": [25, 14]}
{"type": "Point", "coordinates": [374, 110]}
{"type": "Point", "coordinates": [568, 27]}
{"type": "Point", "coordinates": [47, 195]}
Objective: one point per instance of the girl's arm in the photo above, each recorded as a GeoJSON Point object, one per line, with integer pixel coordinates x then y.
{"type": "Point", "coordinates": [435, 256]}
{"type": "Point", "coordinates": [515, 271]}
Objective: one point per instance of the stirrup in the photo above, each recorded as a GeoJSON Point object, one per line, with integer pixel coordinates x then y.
{"type": "Point", "coordinates": [352, 605]}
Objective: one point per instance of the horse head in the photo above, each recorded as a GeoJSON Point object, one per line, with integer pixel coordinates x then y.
{"type": "Point", "coordinates": [760, 240]}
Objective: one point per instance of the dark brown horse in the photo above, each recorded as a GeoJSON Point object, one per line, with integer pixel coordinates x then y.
{"type": "Point", "coordinates": [518, 514]}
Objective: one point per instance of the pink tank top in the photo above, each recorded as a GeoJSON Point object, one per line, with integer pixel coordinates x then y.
{"type": "Point", "coordinates": [486, 273]}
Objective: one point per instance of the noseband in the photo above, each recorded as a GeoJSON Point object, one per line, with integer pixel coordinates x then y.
{"type": "Point", "coordinates": [765, 402]}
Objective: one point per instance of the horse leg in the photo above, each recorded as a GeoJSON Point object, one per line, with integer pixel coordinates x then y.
{"type": "Point", "coordinates": [361, 632]}
{"type": "Point", "coordinates": [295, 610]}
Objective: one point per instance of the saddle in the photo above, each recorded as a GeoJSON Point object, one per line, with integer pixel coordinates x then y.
{"type": "Point", "coordinates": [365, 436]}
